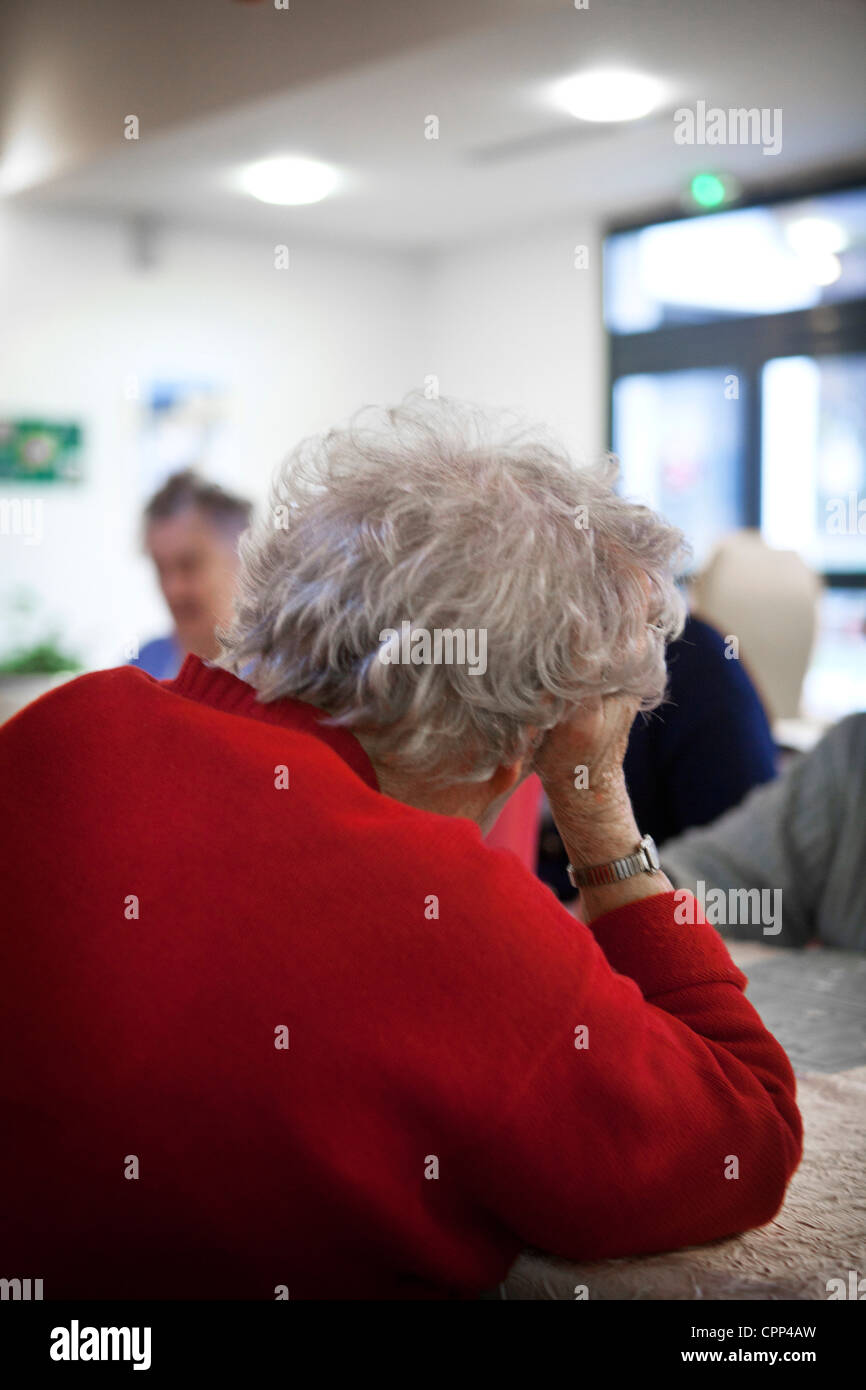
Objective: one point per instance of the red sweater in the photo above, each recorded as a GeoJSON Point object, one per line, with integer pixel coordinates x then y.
{"type": "Point", "coordinates": [172, 910]}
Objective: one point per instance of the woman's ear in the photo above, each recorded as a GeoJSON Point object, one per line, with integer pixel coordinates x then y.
{"type": "Point", "coordinates": [501, 784]}
{"type": "Point", "coordinates": [507, 776]}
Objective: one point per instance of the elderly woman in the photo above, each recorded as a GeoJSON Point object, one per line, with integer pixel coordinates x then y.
{"type": "Point", "coordinates": [283, 1025]}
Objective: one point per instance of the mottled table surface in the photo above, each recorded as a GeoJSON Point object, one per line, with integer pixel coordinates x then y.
{"type": "Point", "coordinates": [814, 1002]}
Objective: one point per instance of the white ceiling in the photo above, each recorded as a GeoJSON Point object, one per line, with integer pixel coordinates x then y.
{"type": "Point", "coordinates": [505, 159]}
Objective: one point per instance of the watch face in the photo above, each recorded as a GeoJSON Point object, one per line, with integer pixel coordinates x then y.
{"type": "Point", "coordinates": [648, 845]}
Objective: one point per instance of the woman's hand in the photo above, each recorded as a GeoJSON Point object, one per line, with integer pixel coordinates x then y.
{"type": "Point", "coordinates": [580, 766]}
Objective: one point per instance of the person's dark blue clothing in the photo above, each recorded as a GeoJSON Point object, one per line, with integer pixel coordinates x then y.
{"type": "Point", "coordinates": [698, 754]}
{"type": "Point", "coordinates": [694, 757]}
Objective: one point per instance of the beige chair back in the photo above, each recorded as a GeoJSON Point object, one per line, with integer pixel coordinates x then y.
{"type": "Point", "coordinates": [767, 599]}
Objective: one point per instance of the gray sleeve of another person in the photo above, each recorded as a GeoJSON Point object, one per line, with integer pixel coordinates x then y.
{"type": "Point", "coordinates": [804, 834]}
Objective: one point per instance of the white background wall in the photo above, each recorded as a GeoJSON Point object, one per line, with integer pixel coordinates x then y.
{"type": "Point", "coordinates": [513, 323]}
{"type": "Point", "coordinates": [298, 350]}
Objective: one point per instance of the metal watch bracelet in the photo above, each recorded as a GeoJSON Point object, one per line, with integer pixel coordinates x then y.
{"type": "Point", "coordinates": [645, 860]}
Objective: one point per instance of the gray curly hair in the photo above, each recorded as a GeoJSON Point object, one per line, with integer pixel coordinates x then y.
{"type": "Point", "coordinates": [437, 513]}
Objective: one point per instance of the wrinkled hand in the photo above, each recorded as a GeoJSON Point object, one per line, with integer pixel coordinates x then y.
{"type": "Point", "coordinates": [580, 766]}
{"type": "Point", "coordinates": [594, 738]}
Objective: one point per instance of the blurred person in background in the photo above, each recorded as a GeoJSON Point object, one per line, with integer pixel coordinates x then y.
{"type": "Point", "coordinates": [192, 528]}
{"type": "Point", "coordinates": [706, 747]}
{"type": "Point", "coordinates": [803, 836]}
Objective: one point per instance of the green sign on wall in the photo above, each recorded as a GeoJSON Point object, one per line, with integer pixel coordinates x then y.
{"type": "Point", "coordinates": [40, 451]}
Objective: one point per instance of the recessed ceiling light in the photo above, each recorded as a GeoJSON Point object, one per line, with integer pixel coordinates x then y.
{"type": "Point", "coordinates": [608, 94]}
{"type": "Point", "coordinates": [289, 179]}
{"type": "Point", "coordinates": [27, 158]}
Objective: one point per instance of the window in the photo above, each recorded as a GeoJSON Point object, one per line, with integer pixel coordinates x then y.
{"type": "Point", "coordinates": [738, 393]}
{"type": "Point", "coordinates": [738, 373]}
{"type": "Point", "coordinates": [762, 260]}
{"type": "Point", "coordinates": [680, 439]}
{"type": "Point", "coordinates": [813, 474]}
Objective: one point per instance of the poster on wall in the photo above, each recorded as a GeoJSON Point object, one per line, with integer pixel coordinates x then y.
{"type": "Point", "coordinates": [45, 451]}
{"type": "Point", "coordinates": [183, 425]}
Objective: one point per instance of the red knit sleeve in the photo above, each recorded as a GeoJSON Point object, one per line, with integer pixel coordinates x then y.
{"type": "Point", "coordinates": [660, 1112]}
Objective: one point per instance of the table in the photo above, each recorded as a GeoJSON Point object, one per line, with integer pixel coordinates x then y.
{"type": "Point", "coordinates": [814, 1002]}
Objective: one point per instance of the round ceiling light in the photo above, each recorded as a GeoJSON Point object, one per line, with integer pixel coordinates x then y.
{"type": "Point", "coordinates": [608, 94]}
{"type": "Point", "coordinates": [289, 180]}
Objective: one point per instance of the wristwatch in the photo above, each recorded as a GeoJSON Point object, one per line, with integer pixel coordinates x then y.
{"type": "Point", "coordinates": [645, 860]}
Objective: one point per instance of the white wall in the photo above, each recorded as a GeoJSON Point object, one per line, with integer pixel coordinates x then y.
{"type": "Point", "coordinates": [298, 350]}
{"type": "Point", "coordinates": [516, 324]}
{"type": "Point", "coordinates": [512, 323]}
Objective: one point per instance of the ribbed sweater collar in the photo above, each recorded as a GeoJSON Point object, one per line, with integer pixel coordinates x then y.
{"type": "Point", "coordinates": [211, 685]}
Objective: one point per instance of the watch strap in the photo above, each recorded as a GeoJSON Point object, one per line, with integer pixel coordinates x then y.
{"type": "Point", "coordinates": [644, 860]}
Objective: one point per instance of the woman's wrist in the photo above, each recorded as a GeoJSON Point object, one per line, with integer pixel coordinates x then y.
{"type": "Point", "coordinates": [596, 826]}
{"type": "Point", "coordinates": [594, 902]}
{"type": "Point", "coordinates": [596, 830]}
